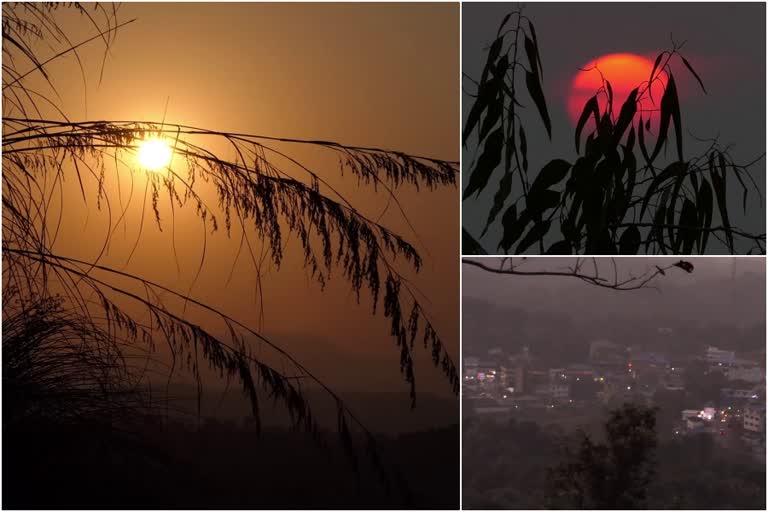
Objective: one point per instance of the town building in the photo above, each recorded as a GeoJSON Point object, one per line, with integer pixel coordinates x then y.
{"type": "Point", "coordinates": [716, 357]}
{"type": "Point", "coordinates": [754, 418]}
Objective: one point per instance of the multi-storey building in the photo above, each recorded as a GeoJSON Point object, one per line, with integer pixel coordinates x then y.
{"type": "Point", "coordinates": [754, 418]}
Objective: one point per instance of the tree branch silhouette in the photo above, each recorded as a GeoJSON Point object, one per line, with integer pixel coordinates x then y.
{"type": "Point", "coordinates": [507, 266]}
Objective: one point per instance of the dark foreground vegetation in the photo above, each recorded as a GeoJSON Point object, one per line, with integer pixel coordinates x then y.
{"type": "Point", "coordinates": [217, 465]}
{"type": "Point", "coordinates": [79, 433]}
{"type": "Point", "coordinates": [523, 465]}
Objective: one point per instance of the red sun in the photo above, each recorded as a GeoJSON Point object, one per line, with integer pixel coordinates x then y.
{"type": "Point", "coordinates": [624, 71]}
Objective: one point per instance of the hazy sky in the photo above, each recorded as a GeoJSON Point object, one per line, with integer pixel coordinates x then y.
{"type": "Point", "coordinates": [696, 296]}
{"type": "Point", "coordinates": [725, 43]}
{"type": "Point", "coordinates": [721, 303]}
{"type": "Point", "coordinates": [382, 75]}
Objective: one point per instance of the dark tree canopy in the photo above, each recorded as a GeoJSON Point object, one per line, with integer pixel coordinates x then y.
{"type": "Point", "coordinates": [614, 474]}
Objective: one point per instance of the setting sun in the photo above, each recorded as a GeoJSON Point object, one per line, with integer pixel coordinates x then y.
{"type": "Point", "coordinates": [624, 71]}
{"type": "Point", "coordinates": [154, 154]}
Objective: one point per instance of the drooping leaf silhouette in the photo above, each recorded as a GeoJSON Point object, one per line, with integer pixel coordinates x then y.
{"type": "Point", "coordinates": [536, 233]}
{"type": "Point", "coordinates": [489, 96]}
{"type": "Point", "coordinates": [719, 184]}
{"type": "Point", "coordinates": [688, 234]}
{"type": "Point", "coordinates": [536, 45]}
{"type": "Point", "coordinates": [503, 23]}
{"type": "Point", "coordinates": [675, 170]}
{"type": "Point", "coordinates": [551, 174]}
{"type": "Point", "coordinates": [469, 245]}
{"type": "Point", "coordinates": [496, 106]}
{"type": "Point", "coordinates": [491, 119]}
{"type": "Point", "coordinates": [534, 89]}
{"type": "Point", "coordinates": [533, 79]}
{"type": "Point", "coordinates": [523, 149]}
{"type": "Point", "coordinates": [693, 72]}
{"type": "Point", "coordinates": [493, 54]}
{"type": "Point", "coordinates": [653, 77]}
{"type": "Point", "coordinates": [609, 91]}
{"type": "Point", "coordinates": [531, 52]}
{"type": "Point", "coordinates": [486, 164]}
{"type": "Point", "coordinates": [704, 207]}
{"type": "Point", "coordinates": [630, 140]}
{"type": "Point", "coordinates": [641, 140]}
{"type": "Point", "coordinates": [513, 226]}
{"type": "Point", "coordinates": [505, 187]}
{"type": "Point", "coordinates": [627, 114]}
{"type": "Point", "coordinates": [485, 97]}
{"type": "Point", "coordinates": [590, 108]}
{"type": "Point", "coordinates": [670, 109]}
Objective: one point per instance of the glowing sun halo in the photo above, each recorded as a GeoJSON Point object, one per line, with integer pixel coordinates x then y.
{"type": "Point", "coordinates": [624, 71]}
{"type": "Point", "coordinates": [154, 154]}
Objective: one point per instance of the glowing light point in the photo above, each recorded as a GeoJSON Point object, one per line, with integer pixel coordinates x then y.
{"type": "Point", "coordinates": [154, 154]}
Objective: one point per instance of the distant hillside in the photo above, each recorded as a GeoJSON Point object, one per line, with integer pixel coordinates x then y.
{"type": "Point", "coordinates": [559, 321]}
{"type": "Point", "coordinates": [385, 413]}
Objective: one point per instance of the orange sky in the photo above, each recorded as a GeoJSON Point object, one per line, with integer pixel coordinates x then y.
{"type": "Point", "coordinates": [381, 75]}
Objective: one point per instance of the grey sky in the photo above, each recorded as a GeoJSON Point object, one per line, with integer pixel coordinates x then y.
{"type": "Point", "coordinates": [725, 43]}
{"type": "Point", "coordinates": [477, 282]}
{"type": "Point", "coordinates": [720, 289]}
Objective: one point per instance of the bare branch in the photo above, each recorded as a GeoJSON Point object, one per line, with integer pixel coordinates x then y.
{"type": "Point", "coordinates": [575, 271]}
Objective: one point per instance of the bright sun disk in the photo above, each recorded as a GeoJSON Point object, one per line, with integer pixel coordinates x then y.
{"type": "Point", "coordinates": [154, 154]}
{"type": "Point", "coordinates": [624, 71]}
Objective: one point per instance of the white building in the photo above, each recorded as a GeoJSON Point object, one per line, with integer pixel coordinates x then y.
{"type": "Point", "coordinates": [717, 357]}
{"type": "Point", "coordinates": [740, 394]}
{"type": "Point", "coordinates": [695, 423]}
{"type": "Point", "coordinates": [745, 370]}
{"type": "Point", "coordinates": [754, 418]}
{"type": "Point", "coordinates": [690, 413]}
